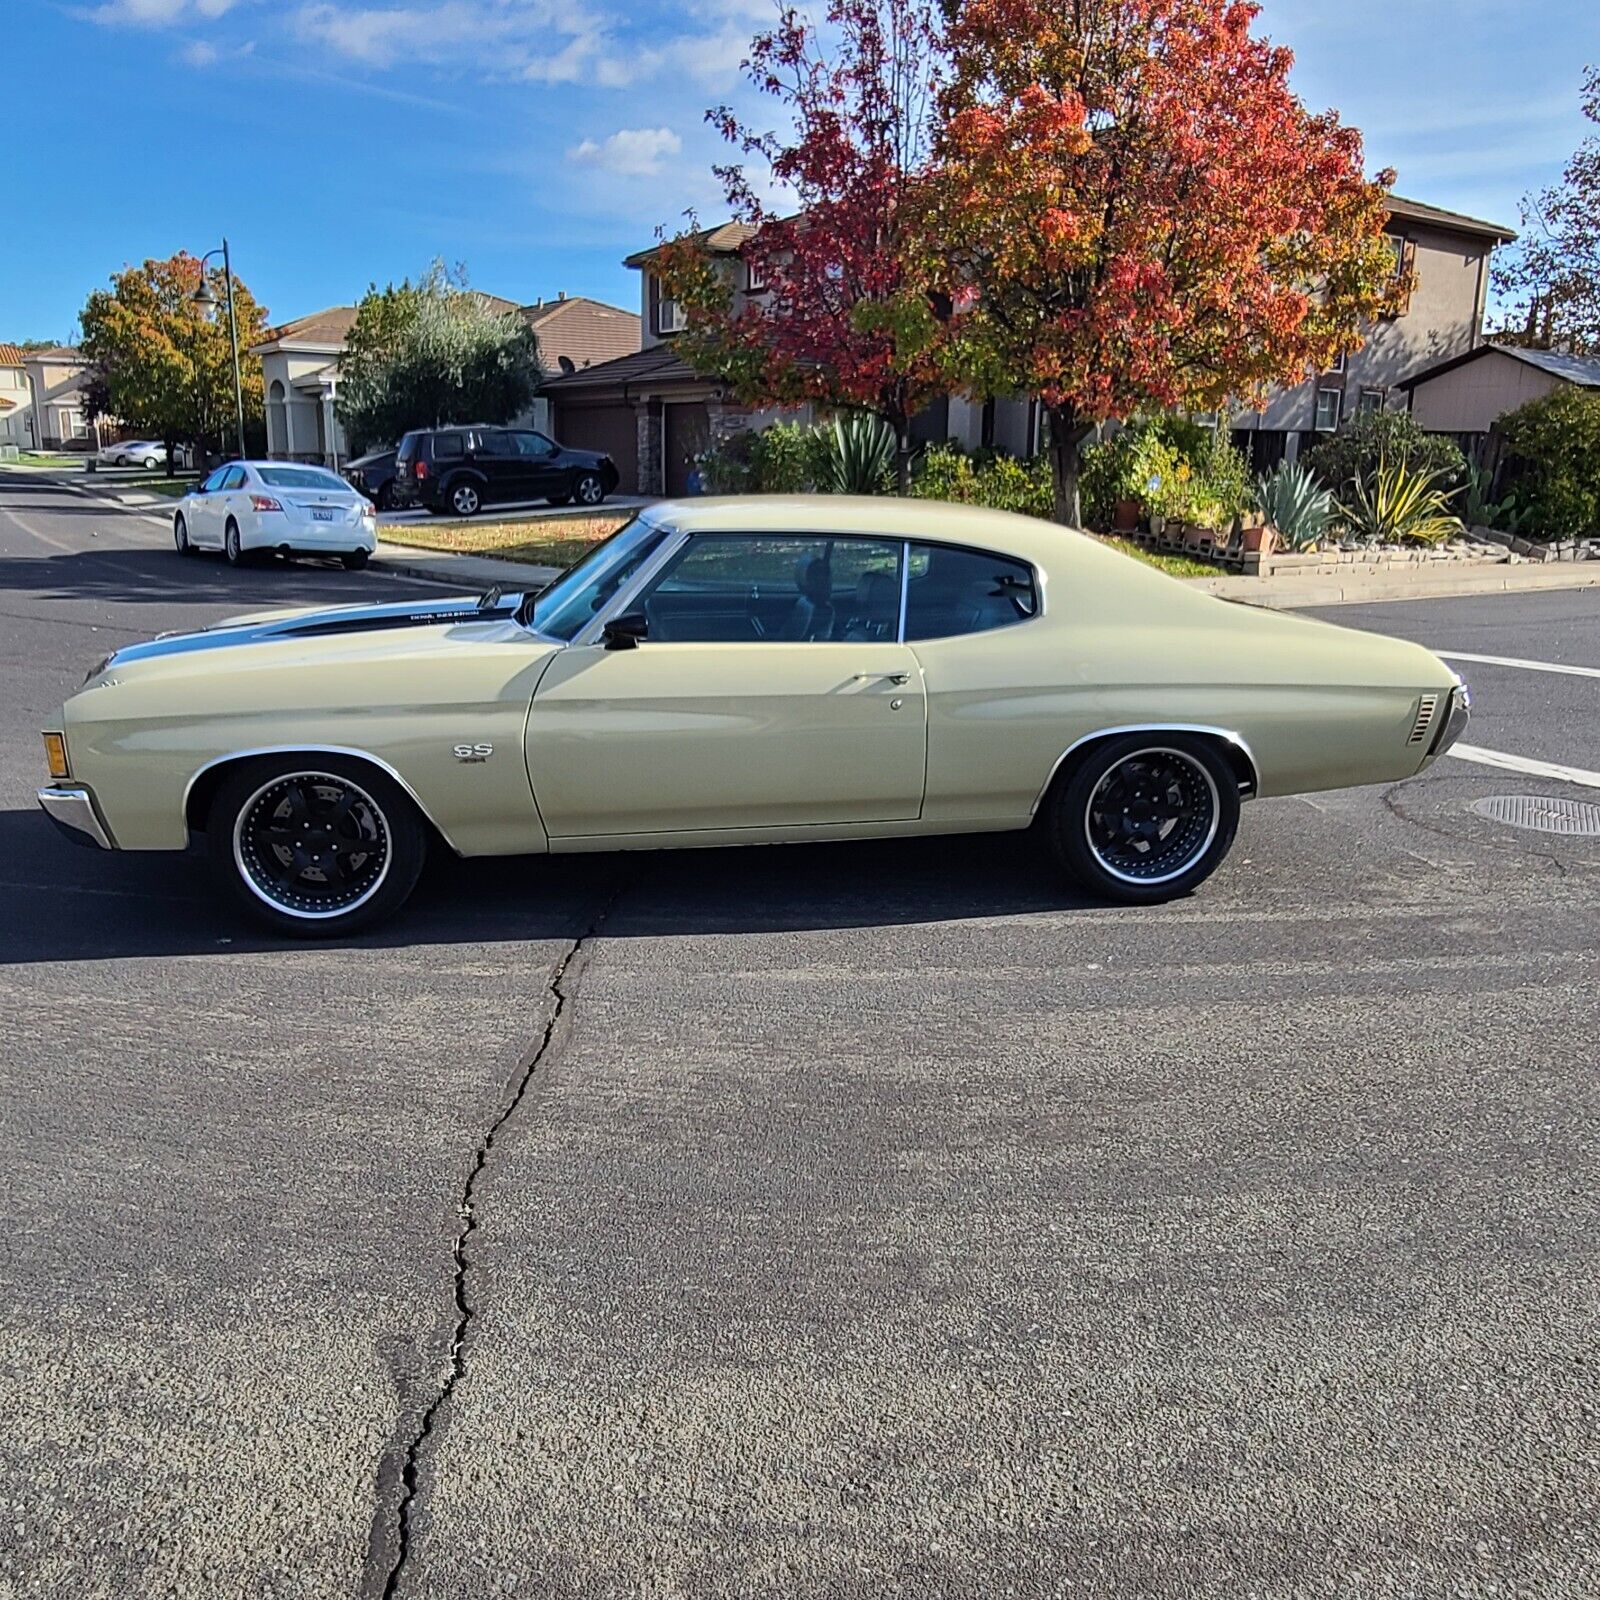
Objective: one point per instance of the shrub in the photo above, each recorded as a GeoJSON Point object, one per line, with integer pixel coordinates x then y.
{"type": "Point", "coordinates": [944, 472]}
{"type": "Point", "coordinates": [790, 458]}
{"type": "Point", "coordinates": [1295, 504]}
{"type": "Point", "coordinates": [1553, 462]}
{"type": "Point", "coordinates": [861, 451]}
{"type": "Point", "coordinates": [1374, 438]}
{"type": "Point", "coordinates": [1398, 505]}
{"type": "Point", "coordinates": [1133, 464]}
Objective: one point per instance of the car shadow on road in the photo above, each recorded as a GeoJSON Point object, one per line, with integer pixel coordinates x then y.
{"type": "Point", "coordinates": [66, 903]}
{"type": "Point", "coordinates": [161, 576]}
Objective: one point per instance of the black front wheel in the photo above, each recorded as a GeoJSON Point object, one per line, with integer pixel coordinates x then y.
{"type": "Point", "coordinates": [315, 846]}
{"type": "Point", "coordinates": [1146, 817]}
{"type": "Point", "coordinates": [589, 490]}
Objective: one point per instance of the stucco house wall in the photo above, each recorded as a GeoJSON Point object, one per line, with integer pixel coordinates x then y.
{"type": "Point", "coordinates": [1470, 398]}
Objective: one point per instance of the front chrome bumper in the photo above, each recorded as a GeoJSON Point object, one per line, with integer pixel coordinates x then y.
{"type": "Point", "coordinates": [72, 810]}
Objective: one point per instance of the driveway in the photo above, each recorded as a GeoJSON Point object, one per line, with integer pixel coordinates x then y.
{"type": "Point", "coordinates": [871, 1220]}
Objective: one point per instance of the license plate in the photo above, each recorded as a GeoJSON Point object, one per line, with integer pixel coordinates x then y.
{"type": "Point", "coordinates": [321, 516]}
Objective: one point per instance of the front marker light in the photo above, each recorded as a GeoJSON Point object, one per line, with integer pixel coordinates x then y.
{"type": "Point", "coordinates": [55, 754]}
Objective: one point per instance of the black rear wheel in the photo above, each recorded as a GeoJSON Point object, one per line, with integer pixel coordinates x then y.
{"type": "Point", "coordinates": [1146, 817]}
{"type": "Point", "coordinates": [315, 846]}
{"type": "Point", "coordinates": [354, 560]}
{"type": "Point", "coordinates": [465, 500]}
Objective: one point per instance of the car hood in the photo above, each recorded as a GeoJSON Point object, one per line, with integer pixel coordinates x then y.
{"type": "Point", "coordinates": [313, 622]}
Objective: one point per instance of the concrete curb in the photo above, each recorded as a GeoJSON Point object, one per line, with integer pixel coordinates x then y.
{"type": "Point", "coordinates": [1287, 594]}
{"type": "Point", "coordinates": [458, 571]}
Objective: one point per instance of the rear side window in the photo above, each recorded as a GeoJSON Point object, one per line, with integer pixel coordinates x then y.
{"type": "Point", "coordinates": [447, 444]}
{"type": "Point", "coordinates": [408, 448]}
{"type": "Point", "coordinates": [953, 591]}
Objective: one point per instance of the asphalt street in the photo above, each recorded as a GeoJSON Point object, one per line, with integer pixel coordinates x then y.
{"type": "Point", "coordinates": [878, 1220]}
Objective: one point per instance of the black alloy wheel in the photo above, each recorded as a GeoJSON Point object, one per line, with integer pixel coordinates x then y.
{"type": "Point", "coordinates": [315, 848]}
{"type": "Point", "coordinates": [1145, 817]}
{"type": "Point", "coordinates": [589, 490]}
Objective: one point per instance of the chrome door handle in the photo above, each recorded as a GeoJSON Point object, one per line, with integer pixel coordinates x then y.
{"type": "Point", "coordinates": [883, 677]}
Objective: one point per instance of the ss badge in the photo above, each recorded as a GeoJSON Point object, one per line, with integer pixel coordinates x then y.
{"type": "Point", "coordinates": [473, 752]}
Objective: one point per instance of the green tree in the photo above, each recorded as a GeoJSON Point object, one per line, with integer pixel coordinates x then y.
{"type": "Point", "coordinates": [429, 353]}
{"type": "Point", "coordinates": [1553, 462]}
{"type": "Point", "coordinates": [161, 365]}
{"type": "Point", "coordinates": [1551, 279]}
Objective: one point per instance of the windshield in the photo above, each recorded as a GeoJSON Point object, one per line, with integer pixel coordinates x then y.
{"type": "Point", "coordinates": [583, 589]}
{"type": "Point", "coordinates": [300, 478]}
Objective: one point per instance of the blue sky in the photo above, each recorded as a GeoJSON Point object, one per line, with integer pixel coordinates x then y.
{"type": "Point", "coordinates": [338, 142]}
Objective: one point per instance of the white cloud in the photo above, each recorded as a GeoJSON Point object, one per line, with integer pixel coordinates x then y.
{"type": "Point", "coordinates": [203, 53]}
{"type": "Point", "coordinates": [629, 152]}
{"type": "Point", "coordinates": [156, 13]}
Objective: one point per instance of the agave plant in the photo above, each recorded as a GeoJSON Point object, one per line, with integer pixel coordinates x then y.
{"type": "Point", "coordinates": [861, 460]}
{"type": "Point", "coordinates": [1295, 504]}
{"type": "Point", "coordinates": [1397, 505]}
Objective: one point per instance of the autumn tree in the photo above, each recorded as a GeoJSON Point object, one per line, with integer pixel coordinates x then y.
{"type": "Point", "coordinates": [840, 321]}
{"type": "Point", "coordinates": [162, 366]}
{"type": "Point", "coordinates": [431, 352]}
{"type": "Point", "coordinates": [1551, 279]}
{"type": "Point", "coordinates": [1132, 211]}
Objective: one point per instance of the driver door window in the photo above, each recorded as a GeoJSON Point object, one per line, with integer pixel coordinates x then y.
{"type": "Point", "coordinates": [783, 589]}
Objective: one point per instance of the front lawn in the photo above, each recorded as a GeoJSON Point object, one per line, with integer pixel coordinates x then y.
{"type": "Point", "coordinates": [1178, 566]}
{"type": "Point", "coordinates": [546, 542]}
{"type": "Point", "coordinates": [172, 488]}
{"type": "Point", "coordinates": [42, 458]}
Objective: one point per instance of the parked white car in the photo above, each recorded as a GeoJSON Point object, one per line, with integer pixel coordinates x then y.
{"type": "Point", "coordinates": [247, 506]}
{"type": "Point", "coordinates": [148, 453]}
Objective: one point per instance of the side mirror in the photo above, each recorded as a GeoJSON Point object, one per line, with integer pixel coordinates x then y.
{"type": "Point", "coordinates": [625, 632]}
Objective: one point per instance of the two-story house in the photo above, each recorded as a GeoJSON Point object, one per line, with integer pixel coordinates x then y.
{"type": "Point", "coordinates": [654, 413]}
{"type": "Point", "coordinates": [1448, 257]}
{"type": "Point", "coordinates": [300, 365]}
{"type": "Point", "coordinates": [41, 399]}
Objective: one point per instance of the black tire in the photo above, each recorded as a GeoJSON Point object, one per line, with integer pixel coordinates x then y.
{"type": "Point", "coordinates": [465, 498]}
{"type": "Point", "coordinates": [558, 500]}
{"type": "Point", "coordinates": [589, 489]}
{"type": "Point", "coordinates": [328, 885]}
{"type": "Point", "coordinates": [180, 536]}
{"type": "Point", "coordinates": [149, 463]}
{"type": "Point", "coordinates": [233, 551]}
{"type": "Point", "coordinates": [384, 498]}
{"type": "Point", "coordinates": [354, 560]}
{"type": "Point", "coordinates": [1144, 818]}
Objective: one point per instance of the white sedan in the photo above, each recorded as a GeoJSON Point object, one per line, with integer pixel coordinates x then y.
{"type": "Point", "coordinates": [248, 506]}
{"type": "Point", "coordinates": [149, 453]}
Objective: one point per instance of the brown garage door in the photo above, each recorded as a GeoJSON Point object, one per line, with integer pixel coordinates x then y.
{"type": "Point", "coordinates": [608, 426]}
{"type": "Point", "coordinates": [688, 432]}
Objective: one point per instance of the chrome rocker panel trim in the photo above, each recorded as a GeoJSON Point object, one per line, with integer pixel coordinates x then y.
{"type": "Point", "coordinates": [72, 810]}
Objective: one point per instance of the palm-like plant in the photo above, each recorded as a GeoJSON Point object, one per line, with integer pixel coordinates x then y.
{"type": "Point", "coordinates": [1397, 505]}
{"type": "Point", "coordinates": [861, 460]}
{"type": "Point", "coordinates": [1295, 504]}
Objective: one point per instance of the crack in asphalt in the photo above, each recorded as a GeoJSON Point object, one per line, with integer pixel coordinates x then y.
{"type": "Point", "coordinates": [466, 1210]}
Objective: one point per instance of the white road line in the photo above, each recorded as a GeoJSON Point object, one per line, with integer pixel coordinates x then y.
{"type": "Point", "coordinates": [1513, 661]}
{"type": "Point", "coordinates": [1533, 769]}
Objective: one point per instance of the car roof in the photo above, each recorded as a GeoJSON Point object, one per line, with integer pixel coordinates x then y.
{"type": "Point", "coordinates": [1003, 532]}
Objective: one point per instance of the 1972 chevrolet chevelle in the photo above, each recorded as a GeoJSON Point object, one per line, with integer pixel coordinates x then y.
{"type": "Point", "coordinates": [741, 671]}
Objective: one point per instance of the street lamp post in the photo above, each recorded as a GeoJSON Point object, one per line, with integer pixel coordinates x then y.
{"type": "Point", "coordinates": [207, 301]}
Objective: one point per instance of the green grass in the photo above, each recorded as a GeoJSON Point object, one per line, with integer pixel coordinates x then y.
{"type": "Point", "coordinates": [41, 458]}
{"type": "Point", "coordinates": [172, 488]}
{"type": "Point", "coordinates": [547, 542]}
{"type": "Point", "coordinates": [1178, 566]}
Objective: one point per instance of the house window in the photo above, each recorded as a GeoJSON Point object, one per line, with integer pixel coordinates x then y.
{"type": "Point", "coordinates": [670, 316]}
{"type": "Point", "coordinates": [1404, 252]}
{"type": "Point", "coordinates": [754, 279]}
{"type": "Point", "coordinates": [1340, 362]}
{"type": "Point", "coordinates": [1370, 400]}
{"type": "Point", "coordinates": [1328, 407]}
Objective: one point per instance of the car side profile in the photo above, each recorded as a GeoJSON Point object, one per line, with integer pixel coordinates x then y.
{"type": "Point", "coordinates": [251, 507]}
{"type": "Point", "coordinates": [458, 471]}
{"type": "Point", "coordinates": [742, 671]}
{"type": "Point", "coordinates": [373, 476]}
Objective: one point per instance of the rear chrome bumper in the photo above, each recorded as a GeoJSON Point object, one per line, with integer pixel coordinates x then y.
{"type": "Point", "coordinates": [1453, 725]}
{"type": "Point", "coordinates": [72, 810]}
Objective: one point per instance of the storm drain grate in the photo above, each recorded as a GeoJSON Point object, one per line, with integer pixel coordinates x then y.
{"type": "Point", "coordinates": [1542, 814]}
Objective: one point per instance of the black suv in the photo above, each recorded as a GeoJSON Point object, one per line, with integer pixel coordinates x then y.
{"type": "Point", "coordinates": [454, 471]}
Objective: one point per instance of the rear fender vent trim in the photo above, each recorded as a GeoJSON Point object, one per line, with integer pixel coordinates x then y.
{"type": "Point", "coordinates": [1427, 710]}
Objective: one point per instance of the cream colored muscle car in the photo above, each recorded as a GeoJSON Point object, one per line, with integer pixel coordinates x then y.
{"type": "Point", "coordinates": [741, 671]}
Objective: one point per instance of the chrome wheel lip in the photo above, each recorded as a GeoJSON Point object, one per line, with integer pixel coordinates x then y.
{"type": "Point", "coordinates": [1195, 855]}
{"type": "Point", "coordinates": [301, 913]}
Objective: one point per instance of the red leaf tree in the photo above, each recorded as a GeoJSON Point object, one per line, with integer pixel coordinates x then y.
{"type": "Point", "coordinates": [841, 321]}
{"type": "Point", "coordinates": [1130, 210]}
